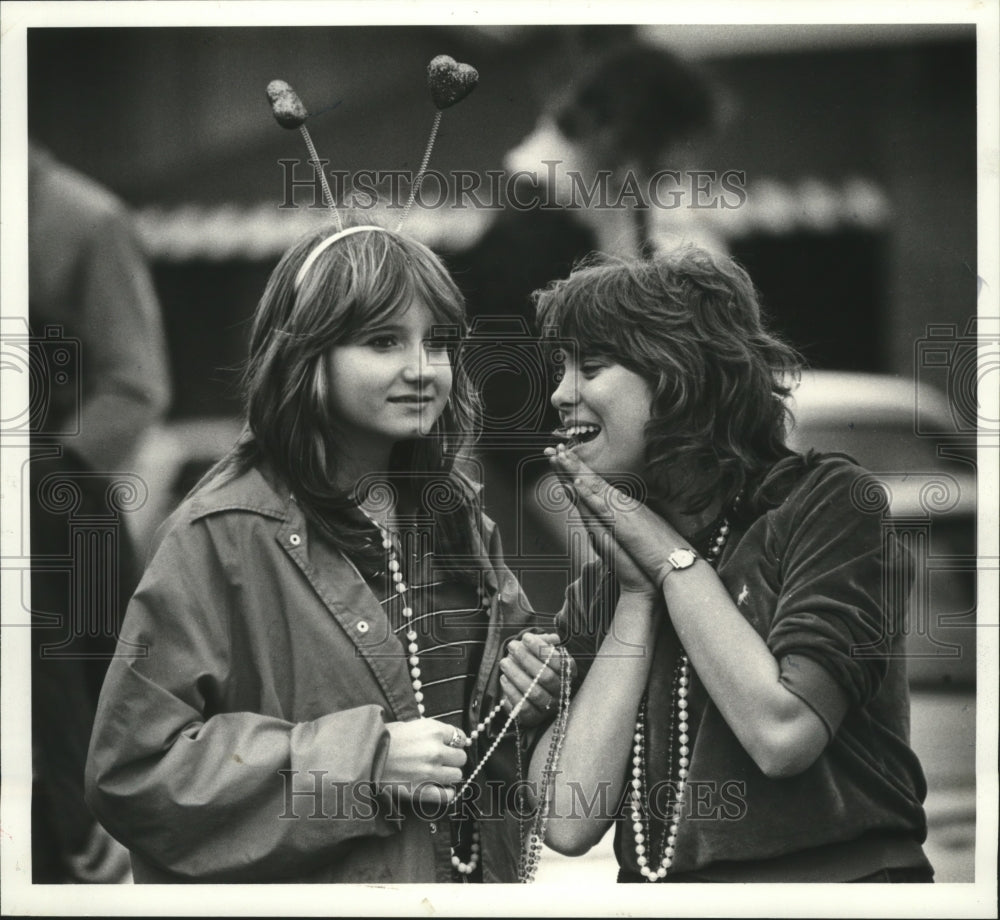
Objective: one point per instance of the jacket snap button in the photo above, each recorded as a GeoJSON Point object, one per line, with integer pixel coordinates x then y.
{"type": "Point", "coordinates": [295, 539]}
{"type": "Point", "coordinates": [434, 828]}
{"type": "Point", "coordinates": [362, 626]}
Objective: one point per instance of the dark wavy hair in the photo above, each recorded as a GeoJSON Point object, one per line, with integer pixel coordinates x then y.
{"type": "Point", "coordinates": [354, 284]}
{"type": "Point", "coordinates": [691, 324]}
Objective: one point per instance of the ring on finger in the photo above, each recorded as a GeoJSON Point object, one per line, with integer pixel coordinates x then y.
{"type": "Point", "coordinates": [457, 739]}
{"type": "Point", "coordinates": [537, 703]}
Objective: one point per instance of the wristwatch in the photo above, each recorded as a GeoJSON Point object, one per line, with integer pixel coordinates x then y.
{"type": "Point", "coordinates": [682, 558]}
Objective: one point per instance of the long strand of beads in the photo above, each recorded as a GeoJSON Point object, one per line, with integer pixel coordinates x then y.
{"type": "Point", "coordinates": [682, 761]}
{"type": "Point", "coordinates": [641, 813]}
{"type": "Point", "coordinates": [639, 830]}
{"type": "Point", "coordinates": [522, 795]}
{"type": "Point", "coordinates": [639, 795]}
{"type": "Point", "coordinates": [514, 713]}
{"type": "Point", "coordinates": [531, 854]}
{"type": "Point", "coordinates": [413, 650]}
{"type": "Point", "coordinates": [643, 831]}
{"type": "Point", "coordinates": [467, 868]}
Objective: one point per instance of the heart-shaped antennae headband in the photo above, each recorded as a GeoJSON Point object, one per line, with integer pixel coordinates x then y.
{"type": "Point", "coordinates": [449, 83]}
{"type": "Point", "coordinates": [290, 113]}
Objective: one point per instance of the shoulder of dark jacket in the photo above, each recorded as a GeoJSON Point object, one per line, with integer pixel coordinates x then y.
{"type": "Point", "coordinates": [799, 474]}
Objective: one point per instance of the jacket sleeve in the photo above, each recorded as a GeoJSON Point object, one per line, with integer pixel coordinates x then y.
{"type": "Point", "coordinates": [127, 384]}
{"type": "Point", "coordinates": [210, 794]}
{"type": "Point", "coordinates": [844, 581]}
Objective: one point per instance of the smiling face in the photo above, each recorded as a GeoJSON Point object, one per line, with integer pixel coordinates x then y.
{"type": "Point", "coordinates": [603, 408]}
{"type": "Point", "coordinates": [388, 384]}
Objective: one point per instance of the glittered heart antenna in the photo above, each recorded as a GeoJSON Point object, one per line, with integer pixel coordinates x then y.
{"type": "Point", "coordinates": [449, 82]}
{"type": "Point", "coordinates": [290, 113]}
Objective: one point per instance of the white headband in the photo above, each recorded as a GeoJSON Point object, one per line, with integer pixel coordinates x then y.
{"type": "Point", "coordinates": [323, 245]}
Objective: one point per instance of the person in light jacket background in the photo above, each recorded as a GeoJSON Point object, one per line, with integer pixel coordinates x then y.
{"type": "Point", "coordinates": [100, 378]}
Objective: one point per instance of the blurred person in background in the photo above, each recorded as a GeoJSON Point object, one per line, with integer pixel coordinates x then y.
{"type": "Point", "coordinates": [631, 111]}
{"type": "Point", "coordinates": [89, 286]}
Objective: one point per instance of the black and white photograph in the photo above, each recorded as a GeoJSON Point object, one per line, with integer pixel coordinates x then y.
{"type": "Point", "coordinates": [544, 445]}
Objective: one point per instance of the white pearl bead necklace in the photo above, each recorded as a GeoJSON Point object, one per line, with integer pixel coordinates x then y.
{"type": "Point", "coordinates": [641, 820]}
{"type": "Point", "coordinates": [643, 832]}
{"type": "Point", "coordinates": [413, 650]}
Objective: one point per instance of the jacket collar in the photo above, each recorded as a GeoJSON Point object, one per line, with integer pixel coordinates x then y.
{"type": "Point", "coordinates": [255, 490]}
{"type": "Point", "coordinates": [334, 579]}
{"type": "Point", "coordinates": [259, 491]}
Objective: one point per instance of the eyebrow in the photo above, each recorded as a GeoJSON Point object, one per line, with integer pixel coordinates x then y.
{"type": "Point", "coordinates": [432, 331]}
{"type": "Point", "coordinates": [381, 327]}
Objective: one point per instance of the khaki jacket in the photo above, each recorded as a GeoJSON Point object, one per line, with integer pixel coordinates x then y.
{"type": "Point", "coordinates": [244, 719]}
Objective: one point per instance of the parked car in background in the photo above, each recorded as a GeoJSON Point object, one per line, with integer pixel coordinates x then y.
{"type": "Point", "coordinates": [930, 501]}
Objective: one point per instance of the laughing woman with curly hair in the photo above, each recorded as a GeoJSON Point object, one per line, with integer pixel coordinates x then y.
{"type": "Point", "coordinates": [741, 711]}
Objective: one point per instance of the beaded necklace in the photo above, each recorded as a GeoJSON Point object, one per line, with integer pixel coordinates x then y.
{"type": "Point", "coordinates": [532, 842]}
{"type": "Point", "coordinates": [641, 814]}
{"type": "Point", "coordinates": [529, 859]}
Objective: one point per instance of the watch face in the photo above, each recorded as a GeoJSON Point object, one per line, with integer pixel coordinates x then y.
{"type": "Point", "coordinates": [682, 558]}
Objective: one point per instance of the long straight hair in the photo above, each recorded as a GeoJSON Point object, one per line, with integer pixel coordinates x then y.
{"type": "Point", "coordinates": [356, 283]}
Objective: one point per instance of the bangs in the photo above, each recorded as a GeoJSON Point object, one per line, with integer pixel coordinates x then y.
{"type": "Point", "coordinates": [373, 279]}
{"type": "Point", "coordinates": [429, 281]}
{"type": "Point", "coordinates": [377, 300]}
{"type": "Point", "coordinates": [576, 314]}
